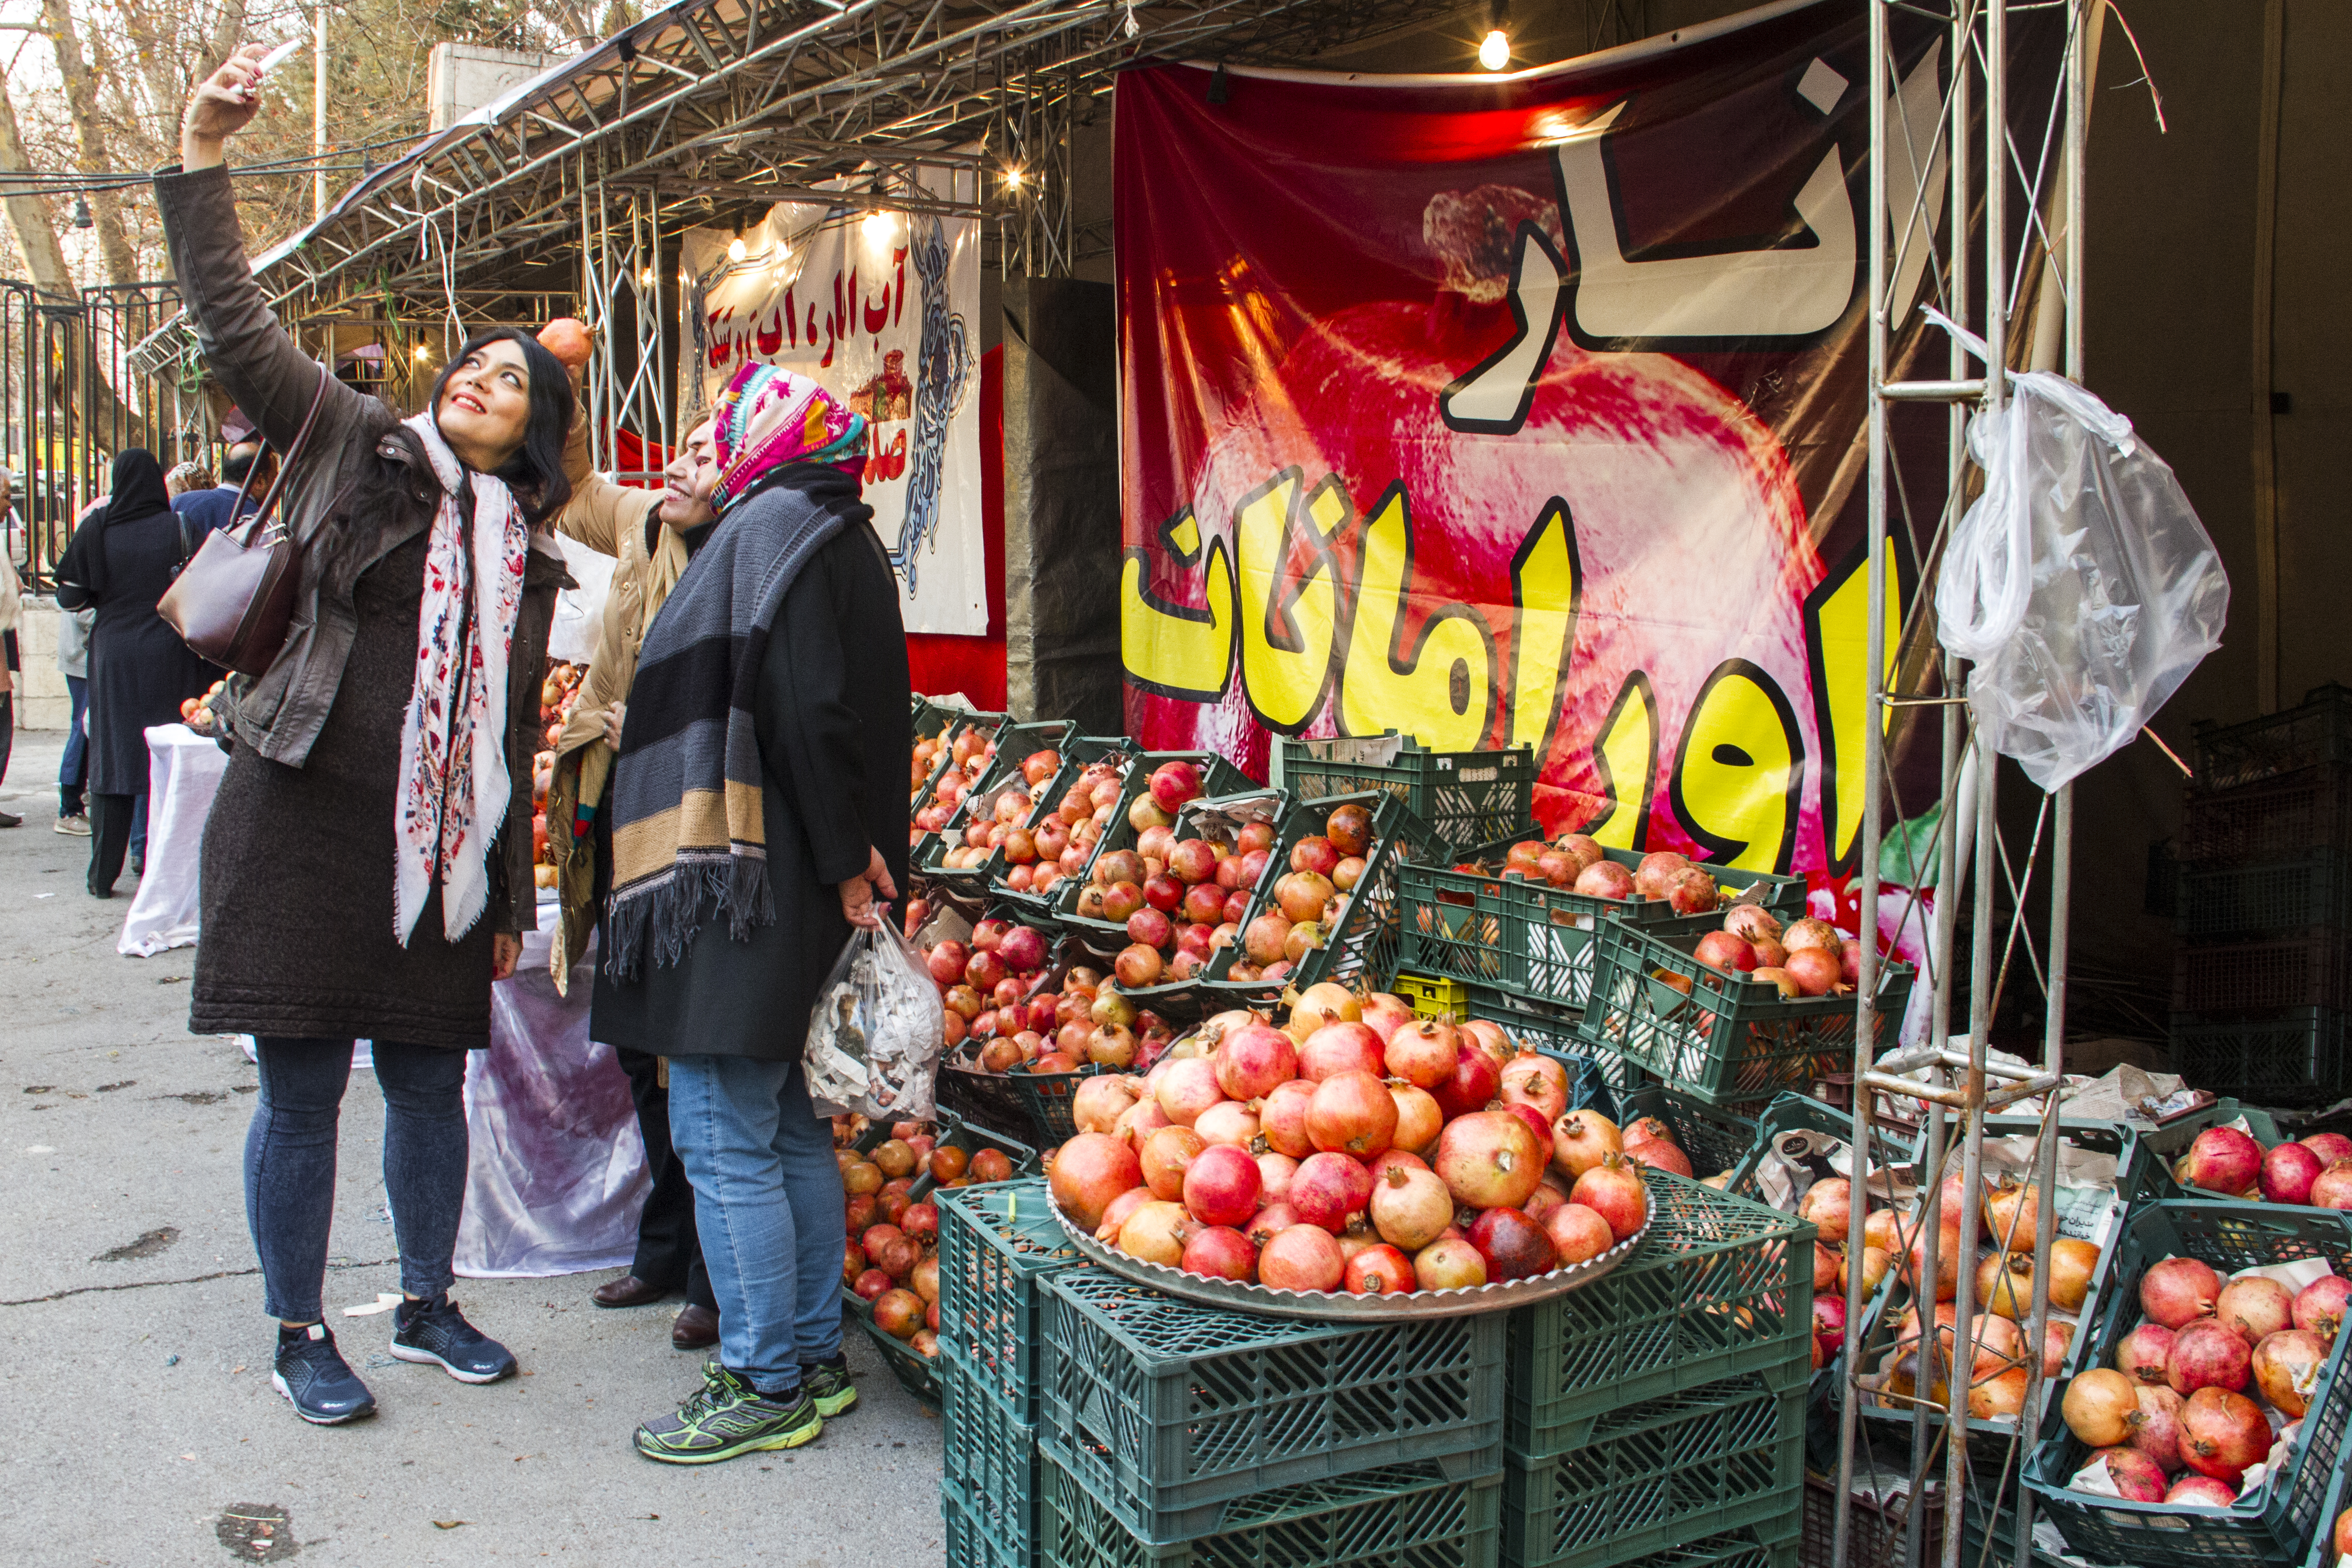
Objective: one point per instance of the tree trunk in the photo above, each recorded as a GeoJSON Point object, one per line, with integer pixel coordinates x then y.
{"type": "Point", "coordinates": [89, 141]}
{"type": "Point", "coordinates": [98, 413]}
{"type": "Point", "coordinates": [228, 31]}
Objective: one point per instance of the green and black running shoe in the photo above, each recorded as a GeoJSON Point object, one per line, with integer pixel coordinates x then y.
{"type": "Point", "coordinates": [828, 1385]}
{"type": "Point", "coordinates": [727, 1417]}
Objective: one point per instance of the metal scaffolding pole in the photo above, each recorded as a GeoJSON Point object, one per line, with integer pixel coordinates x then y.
{"type": "Point", "coordinates": [1975, 258]}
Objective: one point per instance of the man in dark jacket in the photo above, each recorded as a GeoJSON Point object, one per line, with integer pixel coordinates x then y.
{"type": "Point", "coordinates": [216, 506]}
{"type": "Point", "coordinates": [754, 824]}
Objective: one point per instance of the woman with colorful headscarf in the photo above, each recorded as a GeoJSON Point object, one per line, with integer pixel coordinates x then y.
{"type": "Point", "coordinates": [754, 824]}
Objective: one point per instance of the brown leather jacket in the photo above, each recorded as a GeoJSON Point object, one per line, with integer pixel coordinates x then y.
{"type": "Point", "coordinates": [359, 491]}
{"type": "Point", "coordinates": [614, 521]}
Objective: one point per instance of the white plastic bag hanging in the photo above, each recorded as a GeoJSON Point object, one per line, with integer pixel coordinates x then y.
{"type": "Point", "coordinates": [876, 1033]}
{"type": "Point", "coordinates": [2080, 583]}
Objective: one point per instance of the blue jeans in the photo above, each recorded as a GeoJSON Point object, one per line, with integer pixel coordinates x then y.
{"type": "Point", "coordinates": [767, 1208]}
{"type": "Point", "coordinates": [289, 1164]}
{"type": "Point", "coordinates": [73, 773]}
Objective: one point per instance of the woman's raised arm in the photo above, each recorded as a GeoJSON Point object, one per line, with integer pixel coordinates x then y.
{"type": "Point", "coordinates": [269, 377]}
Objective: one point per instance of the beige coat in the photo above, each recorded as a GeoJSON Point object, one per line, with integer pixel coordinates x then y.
{"type": "Point", "coordinates": [613, 520]}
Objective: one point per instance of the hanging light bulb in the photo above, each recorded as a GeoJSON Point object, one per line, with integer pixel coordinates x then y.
{"type": "Point", "coordinates": [81, 218]}
{"type": "Point", "coordinates": [423, 354]}
{"type": "Point", "coordinates": [736, 250]}
{"type": "Point", "coordinates": [645, 278]}
{"type": "Point", "coordinates": [878, 226]}
{"type": "Point", "coordinates": [1012, 179]}
{"type": "Point", "coordinates": [1495, 48]}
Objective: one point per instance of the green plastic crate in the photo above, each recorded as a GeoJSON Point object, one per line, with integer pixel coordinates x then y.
{"type": "Point", "coordinates": [1727, 1040]}
{"type": "Point", "coordinates": [1013, 743]}
{"type": "Point", "coordinates": [969, 1543]}
{"type": "Point", "coordinates": [1521, 933]}
{"type": "Point", "coordinates": [1719, 1288]}
{"type": "Point", "coordinates": [2282, 1056]}
{"type": "Point", "coordinates": [1080, 752]}
{"type": "Point", "coordinates": [2316, 732]}
{"type": "Point", "coordinates": [989, 1457]}
{"type": "Point", "coordinates": [1398, 1516]}
{"type": "Point", "coordinates": [1678, 1468]}
{"type": "Point", "coordinates": [1462, 797]}
{"type": "Point", "coordinates": [2276, 1529]}
{"type": "Point", "coordinates": [1362, 948]}
{"type": "Point", "coordinates": [955, 721]}
{"type": "Point", "coordinates": [2167, 1143]}
{"type": "Point", "coordinates": [1767, 1546]}
{"type": "Point", "coordinates": [1890, 1145]}
{"type": "Point", "coordinates": [966, 1089]}
{"type": "Point", "coordinates": [996, 1243]}
{"type": "Point", "coordinates": [1173, 1414]}
{"type": "Point", "coordinates": [1219, 778]}
{"type": "Point", "coordinates": [2241, 901]}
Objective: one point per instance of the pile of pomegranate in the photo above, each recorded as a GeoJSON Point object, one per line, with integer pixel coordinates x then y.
{"type": "Point", "coordinates": [970, 748]}
{"type": "Point", "coordinates": [890, 1258]}
{"type": "Point", "coordinates": [1917, 1365]}
{"type": "Point", "coordinates": [2202, 1387]}
{"type": "Point", "coordinates": [1809, 958]}
{"type": "Point", "coordinates": [2315, 1172]}
{"type": "Point", "coordinates": [559, 693]}
{"type": "Point", "coordinates": [1358, 1149]}
{"type": "Point", "coordinates": [985, 982]}
{"type": "Point", "coordinates": [1578, 863]}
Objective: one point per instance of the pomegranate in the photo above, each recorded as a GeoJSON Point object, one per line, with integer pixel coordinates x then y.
{"type": "Point", "coordinates": [1449, 1263]}
{"type": "Point", "coordinates": [1384, 1014]}
{"type": "Point", "coordinates": [1422, 1052]}
{"type": "Point", "coordinates": [1342, 1048]}
{"type": "Point", "coordinates": [1188, 1088]}
{"type": "Point", "coordinates": [2341, 1541]}
{"type": "Point", "coordinates": [1722, 950]}
{"type": "Point", "coordinates": [1329, 1189]}
{"type": "Point", "coordinates": [1270, 1222]}
{"type": "Point", "coordinates": [2224, 1159]}
{"type": "Point", "coordinates": [1513, 1246]}
{"type": "Point", "coordinates": [2332, 1188]}
{"type": "Point", "coordinates": [2286, 1364]}
{"type": "Point", "coordinates": [1122, 1206]}
{"type": "Point", "coordinates": [2201, 1491]}
{"type": "Point", "coordinates": [2005, 1284]}
{"type": "Point", "coordinates": [2156, 1426]}
{"type": "Point", "coordinates": [1693, 892]}
{"type": "Point", "coordinates": [1474, 1082]}
{"type": "Point", "coordinates": [1140, 1121]}
{"type": "Point", "coordinates": [1657, 873]}
{"type": "Point", "coordinates": [1282, 1118]}
{"type": "Point", "coordinates": [2136, 1476]}
{"type": "Point", "coordinates": [1273, 1173]}
{"type": "Point", "coordinates": [1379, 1270]}
{"type": "Point", "coordinates": [1828, 1317]}
{"type": "Point", "coordinates": [1613, 1191]}
{"type": "Point", "coordinates": [1812, 932]}
{"type": "Point", "coordinates": [1914, 1265]}
{"type": "Point", "coordinates": [2319, 1306]}
{"type": "Point", "coordinates": [1827, 1205]}
{"type": "Point", "coordinates": [2056, 1336]}
{"type": "Point", "coordinates": [1221, 1253]}
{"type": "Point", "coordinates": [1489, 1035]}
{"type": "Point", "coordinates": [1577, 1233]}
{"type": "Point", "coordinates": [2011, 1209]}
{"type": "Point", "coordinates": [1875, 1261]}
{"type": "Point", "coordinates": [2177, 1292]}
{"type": "Point", "coordinates": [2145, 1353]}
{"type": "Point", "coordinates": [2288, 1172]}
{"type": "Point", "coordinates": [2099, 1406]}
{"type": "Point", "coordinates": [1091, 1169]}
{"type": "Point", "coordinates": [2329, 1147]}
{"type": "Point", "coordinates": [1580, 1140]}
{"type": "Point", "coordinates": [1537, 1080]}
{"type": "Point", "coordinates": [1228, 1122]}
{"type": "Point", "coordinates": [1391, 1159]}
{"type": "Point", "coordinates": [2072, 1265]}
{"type": "Point", "coordinates": [1825, 1269]}
{"type": "Point", "coordinates": [1168, 1155]}
{"type": "Point", "coordinates": [1814, 971]}
{"type": "Point", "coordinates": [1251, 1060]}
{"type": "Point", "coordinates": [921, 1222]}
{"type": "Point", "coordinates": [1411, 1208]}
{"type": "Point", "coordinates": [1418, 1117]}
{"type": "Point", "coordinates": [1023, 949]}
{"type": "Point", "coordinates": [1109, 1046]}
{"type": "Point", "coordinates": [1604, 879]}
{"type": "Point", "coordinates": [1751, 921]}
{"type": "Point", "coordinates": [1099, 1102]}
{"type": "Point", "coordinates": [1157, 1232]}
{"type": "Point", "coordinates": [2208, 1353]}
{"type": "Point", "coordinates": [1302, 1258]}
{"type": "Point", "coordinates": [1535, 1124]}
{"type": "Point", "coordinates": [1220, 1187]}
{"type": "Point", "coordinates": [2001, 1394]}
{"type": "Point", "coordinates": [871, 1283]}
{"type": "Point", "coordinates": [1487, 1159]}
{"type": "Point", "coordinates": [2256, 1307]}
{"type": "Point", "coordinates": [898, 1313]}
{"type": "Point", "coordinates": [1658, 1155]}
{"type": "Point", "coordinates": [1352, 1112]}
{"type": "Point", "coordinates": [945, 962]}
{"type": "Point", "coordinates": [1263, 937]}
{"type": "Point", "coordinates": [2221, 1433]}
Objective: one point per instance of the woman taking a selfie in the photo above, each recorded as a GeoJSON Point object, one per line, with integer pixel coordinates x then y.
{"type": "Point", "coordinates": [366, 867]}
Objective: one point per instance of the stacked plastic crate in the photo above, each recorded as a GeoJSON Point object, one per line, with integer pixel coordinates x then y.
{"type": "Point", "coordinates": [2262, 971]}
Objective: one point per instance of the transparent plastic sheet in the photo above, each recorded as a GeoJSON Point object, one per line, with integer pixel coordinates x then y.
{"type": "Point", "coordinates": [557, 1174]}
{"type": "Point", "coordinates": [2080, 583]}
{"type": "Point", "coordinates": [876, 1031]}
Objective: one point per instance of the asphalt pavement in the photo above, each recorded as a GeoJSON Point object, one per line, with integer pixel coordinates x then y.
{"type": "Point", "coordinates": [134, 1355]}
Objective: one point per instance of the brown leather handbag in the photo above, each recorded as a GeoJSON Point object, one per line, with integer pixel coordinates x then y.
{"type": "Point", "coordinates": [233, 599]}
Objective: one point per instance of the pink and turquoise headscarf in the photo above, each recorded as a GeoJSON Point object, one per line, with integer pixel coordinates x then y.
{"type": "Point", "coordinates": [769, 417]}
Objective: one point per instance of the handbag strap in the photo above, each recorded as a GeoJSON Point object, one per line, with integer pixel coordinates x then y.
{"type": "Point", "coordinates": [252, 527]}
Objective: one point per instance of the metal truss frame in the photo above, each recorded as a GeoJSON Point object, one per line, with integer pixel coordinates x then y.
{"type": "Point", "coordinates": [1992, 261]}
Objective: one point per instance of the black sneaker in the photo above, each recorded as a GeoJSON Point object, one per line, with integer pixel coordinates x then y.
{"type": "Point", "coordinates": [314, 1376]}
{"type": "Point", "coordinates": [434, 1330]}
{"type": "Point", "coordinates": [828, 1384]}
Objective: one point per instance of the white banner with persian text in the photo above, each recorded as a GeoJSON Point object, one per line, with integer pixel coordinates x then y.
{"type": "Point", "coordinates": [880, 309]}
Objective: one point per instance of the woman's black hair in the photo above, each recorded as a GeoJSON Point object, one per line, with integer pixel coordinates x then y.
{"type": "Point", "coordinates": [535, 473]}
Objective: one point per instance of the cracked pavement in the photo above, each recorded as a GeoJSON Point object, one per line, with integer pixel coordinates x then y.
{"type": "Point", "coordinates": [134, 1357]}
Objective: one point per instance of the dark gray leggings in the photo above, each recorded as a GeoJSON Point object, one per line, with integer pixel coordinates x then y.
{"type": "Point", "coordinates": [289, 1164]}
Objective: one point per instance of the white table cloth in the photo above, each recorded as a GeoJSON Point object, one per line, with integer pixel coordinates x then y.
{"type": "Point", "coordinates": [183, 773]}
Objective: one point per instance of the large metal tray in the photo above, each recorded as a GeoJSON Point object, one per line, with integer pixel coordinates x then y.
{"type": "Point", "coordinates": [1339, 1306]}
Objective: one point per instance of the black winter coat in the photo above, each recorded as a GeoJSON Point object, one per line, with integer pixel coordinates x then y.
{"type": "Point", "coordinates": [830, 710]}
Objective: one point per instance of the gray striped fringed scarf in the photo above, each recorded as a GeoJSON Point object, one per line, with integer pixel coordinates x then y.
{"type": "Point", "coordinates": [688, 838]}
